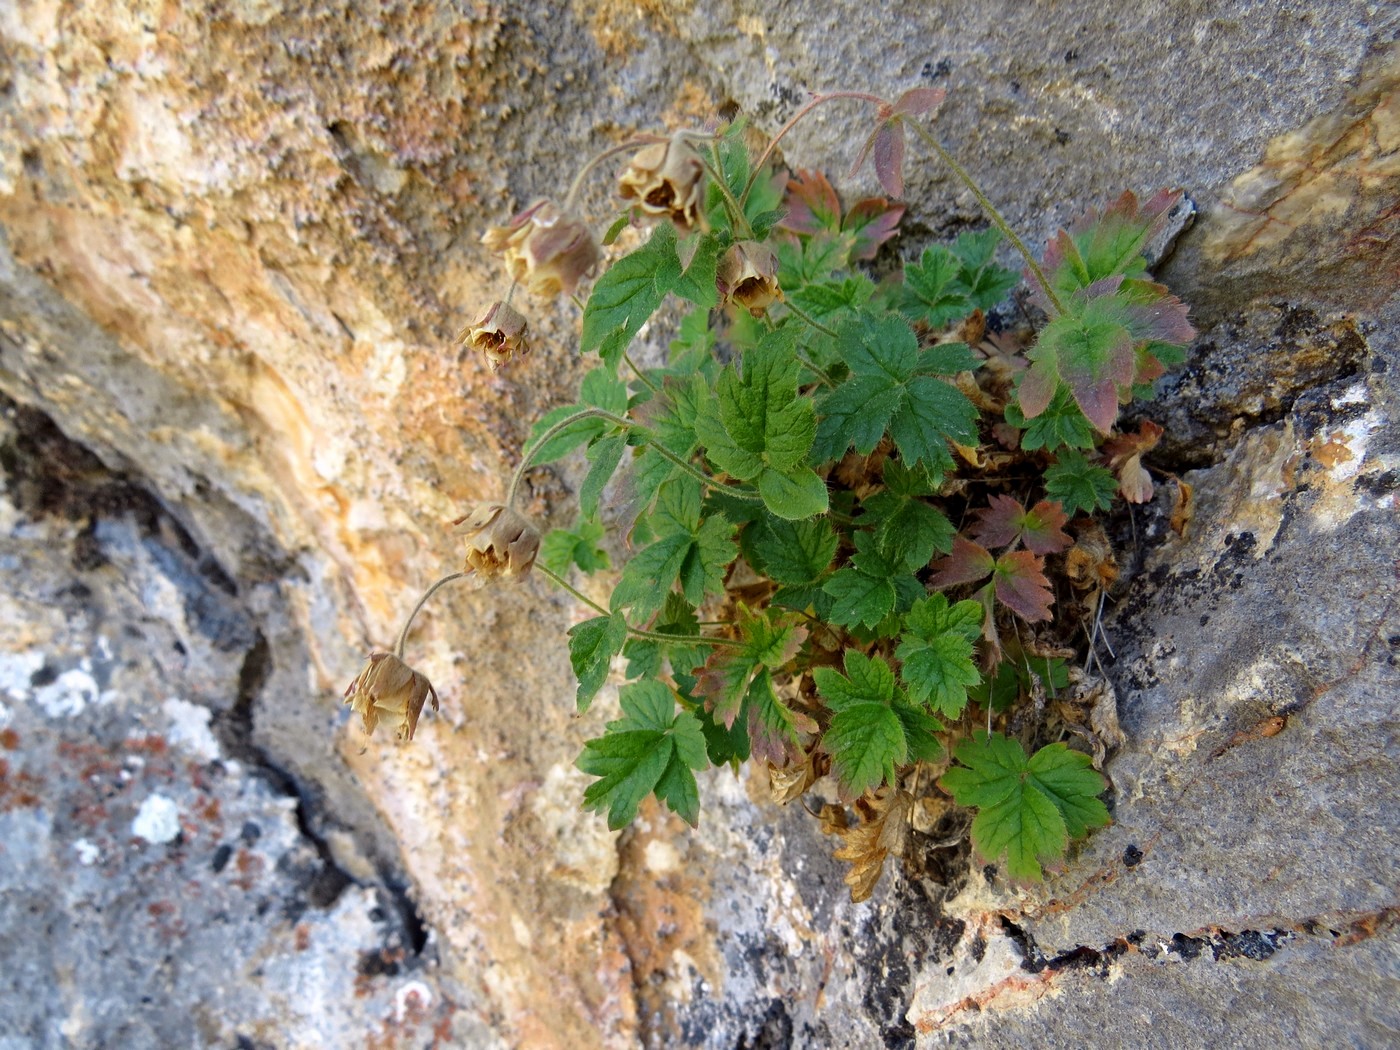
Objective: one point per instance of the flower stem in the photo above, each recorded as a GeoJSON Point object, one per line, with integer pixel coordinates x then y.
{"type": "Point", "coordinates": [403, 634]}
{"type": "Point", "coordinates": [813, 104]}
{"type": "Point", "coordinates": [611, 151]}
{"type": "Point", "coordinates": [992, 213]}
{"type": "Point", "coordinates": [640, 374]}
{"type": "Point", "coordinates": [635, 632]}
{"type": "Point", "coordinates": [715, 170]}
{"type": "Point", "coordinates": [625, 424]}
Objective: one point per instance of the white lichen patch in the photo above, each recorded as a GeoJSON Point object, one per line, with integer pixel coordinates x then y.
{"type": "Point", "coordinates": [88, 852]}
{"type": "Point", "coordinates": [67, 695]}
{"type": "Point", "coordinates": [16, 672]}
{"type": "Point", "coordinates": [189, 729]}
{"type": "Point", "coordinates": [158, 820]}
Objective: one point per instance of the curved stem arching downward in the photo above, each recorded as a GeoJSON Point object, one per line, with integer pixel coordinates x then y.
{"type": "Point", "coordinates": [408, 624]}
{"type": "Point", "coordinates": [792, 123]}
{"type": "Point", "coordinates": [635, 632]}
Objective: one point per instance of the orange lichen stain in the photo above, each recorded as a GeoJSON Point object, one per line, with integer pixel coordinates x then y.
{"type": "Point", "coordinates": [617, 25]}
{"type": "Point", "coordinates": [661, 916]}
{"type": "Point", "coordinates": [150, 744]}
{"type": "Point", "coordinates": [19, 790]}
{"type": "Point", "coordinates": [691, 105]}
{"type": "Point", "coordinates": [1339, 171]}
{"type": "Point", "coordinates": [9, 739]}
{"type": "Point", "coordinates": [249, 867]}
{"type": "Point", "coordinates": [302, 937]}
{"type": "Point", "coordinates": [1333, 452]}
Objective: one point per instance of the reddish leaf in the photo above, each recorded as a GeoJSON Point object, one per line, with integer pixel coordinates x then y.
{"type": "Point", "coordinates": [918, 101]}
{"type": "Point", "coordinates": [968, 563]}
{"type": "Point", "coordinates": [873, 221]}
{"type": "Point", "coordinates": [722, 682]}
{"type": "Point", "coordinates": [812, 204]}
{"type": "Point", "coordinates": [889, 157]}
{"type": "Point", "coordinates": [1044, 529]}
{"type": "Point", "coordinates": [1006, 521]}
{"type": "Point", "coordinates": [1022, 587]}
{"type": "Point", "coordinates": [999, 523]}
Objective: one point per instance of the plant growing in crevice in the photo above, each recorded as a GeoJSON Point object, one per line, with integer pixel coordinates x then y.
{"type": "Point", "coordinates": [858, 517]}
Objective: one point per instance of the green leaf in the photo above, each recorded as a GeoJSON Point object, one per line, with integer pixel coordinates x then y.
{"type": "Point", "coordinates": [868, 737]}
{"type": "Point", "coordinates": [982, 280]}
{"type": "Point", "coordinates": [694, 344]}
{"type": "Point", "coordinates": [697, 282]}
{"type": "Point", "coordinates": [858, 598]}
{"type": "Point", "coordinates": [669, 418]}
{"type": "Point", "coordinates": [592, 645]}
{"type": "Point", "coordinates": [790, 551]}
{"type": "Point", "coordinates": [1078, 484]}
{"type": "Point", "coordinates": [628, 293]}
{"type": "Point", "coordinates": [1061, 424]}
{"type": "Point", "coordinates": [775, 729]}
{"type": "Point", "coordinates": [652, 748]}
{"type": "Point", "coordinates": [936, 652]}
{"type": "Point", "coordinates": [907, 530]}
{"type": "Point", "coordinates": [603, 457]}
{"type": "Point", "coordinates": [757, 428]}
{"type": "Point", "coordinates": [893, 386]}
{"type": "Point", "coordinates": [1028, 810]}
{"type": "Point", "coordinates": [563, 548]}
{"type": "Point", "coordinates": [1090, 349]}
{"type": "Point", "coordinates": [771, 639]}
{"type": "Point", "coordinates": [933, 292]}
{"type": "Point", "coordinates": [694, 550]}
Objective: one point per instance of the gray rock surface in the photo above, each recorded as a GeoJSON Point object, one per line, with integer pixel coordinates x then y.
{"type": "Point", "coordinates": [235, 241]}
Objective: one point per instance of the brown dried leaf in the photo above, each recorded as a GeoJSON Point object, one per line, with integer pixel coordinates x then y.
{"type": "Point", "coordinates": [1183, 507]}
{"type": "Point", "coordinates": [883, 831]}
{"type": "Point", "coordinates": [784, 785]}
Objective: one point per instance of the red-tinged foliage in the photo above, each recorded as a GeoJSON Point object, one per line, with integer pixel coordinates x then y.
{"type": "Point", "coordinates": [873, 221]}
{"type": "Point", "coordinates": [1022, 587]}
{"type": "Point", "coordinates": [812, 204]}
{"type": "Point", "coordinates": [918, 102]}
{"type": "Point", "coordinates": [1005, 521]}
{"type": "Point", "coordinates": [968, 563]}
{"type": "Point", "coordinates": [889, 158]}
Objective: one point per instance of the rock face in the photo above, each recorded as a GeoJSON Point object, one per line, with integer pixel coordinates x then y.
{"type": "Point", "coordinates": [235, 242]}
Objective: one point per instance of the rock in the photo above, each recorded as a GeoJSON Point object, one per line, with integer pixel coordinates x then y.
{"type": "Point", "coordinates": [235, 243]}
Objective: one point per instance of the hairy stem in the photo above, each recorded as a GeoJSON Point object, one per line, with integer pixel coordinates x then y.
{"type": "Point", "coordinates": [813, 104]}
{"type": "Point", "coordinates": [593, 162]}
{"type": "Point", "coordinates": [992, 213]}
{"type": "Point", "coordinates": [715, 170]}
{"type": "Point", "coordinates": [408, 624]}
{"type": "Point", "coordinates": [640, 374]}
{"type": "Point", "coordinates": [635, 632]}
{"type": "Point", "coordinates": [626, 424]}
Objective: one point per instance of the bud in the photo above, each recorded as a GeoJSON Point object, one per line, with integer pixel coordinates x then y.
{"type": "Point", "coordinates": [500, 541]}
{"type": "Point", "coordinates": [388, 686]}
{"type": "Point", "coordinates": [500, 335]}
{"type": "Point", "coordinates": [665, 179]}
{"type": "Point", "coordinates": [545, 249]}
{"type": "Point", "coordinates": [748, 275]}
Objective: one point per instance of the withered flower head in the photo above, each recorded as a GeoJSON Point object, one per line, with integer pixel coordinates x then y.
{"type": "Point", "coordinates": [388, 686]}
{"type": "Point", "coordinates": [748, 275]}
{"type": "Point", "coordinates": [500, 541]}
{"type": "Point", "coordinates": [499, 334]}
{"type": "Point", "coordinates": [545, 249]}
{"type": "Point", "coordinates": [665, 178]}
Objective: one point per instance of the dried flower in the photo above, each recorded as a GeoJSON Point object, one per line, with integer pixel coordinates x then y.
{"type": "Point", "coordinates": [388, 686]}
{"type": "Point", "coordinates": [500, 335]}
{"type": "Point", "coordinates": [500, 541]}
{"type": "Point", "coordinates": [665, 178]}
{"type": "Point", "coordinates": [545, 249]}
{"type": "Point", "coordinates": [748, 275]}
